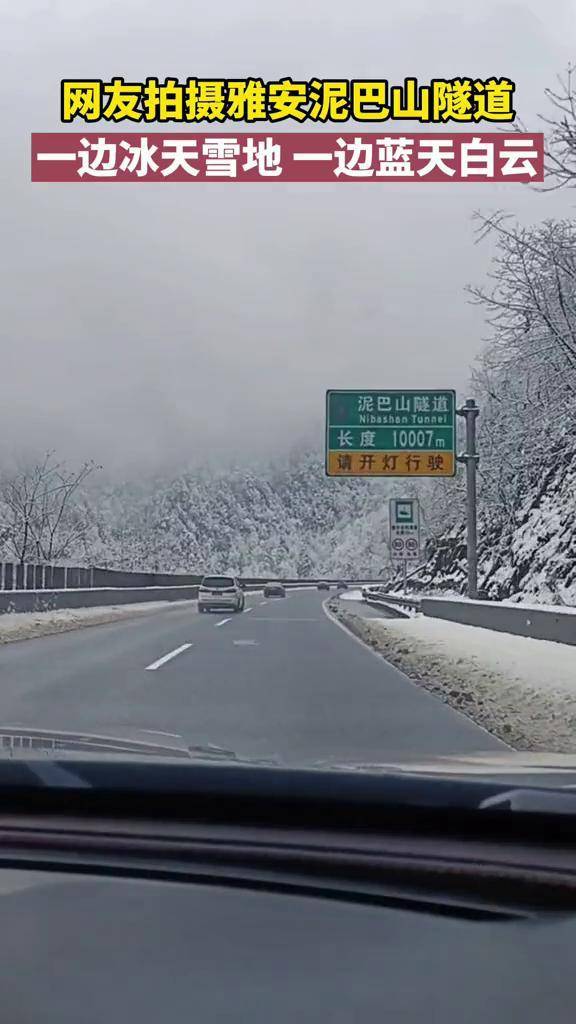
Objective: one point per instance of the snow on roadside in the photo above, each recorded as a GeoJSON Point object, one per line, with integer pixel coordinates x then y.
{"type": "Point", "coordinates": [26, 625]}
{"type": "Point", "coordinates": [522, 690]}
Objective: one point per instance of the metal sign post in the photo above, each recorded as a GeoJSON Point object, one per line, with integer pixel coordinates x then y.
{"type": "Point", "coordinates": [470, 412]}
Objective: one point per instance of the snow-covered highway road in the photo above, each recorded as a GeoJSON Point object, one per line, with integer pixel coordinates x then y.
{"type": "Point", "coordinates": [281, 680]}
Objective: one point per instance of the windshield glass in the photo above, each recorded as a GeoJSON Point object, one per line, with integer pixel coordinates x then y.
{"type": "Point", "coordinates": [319, 332]}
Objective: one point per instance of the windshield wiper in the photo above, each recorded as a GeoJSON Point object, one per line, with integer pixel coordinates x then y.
{"type": "Point", "coordinates": [17, 740]}
{"type": "Point", "coordinates": [25, 739]}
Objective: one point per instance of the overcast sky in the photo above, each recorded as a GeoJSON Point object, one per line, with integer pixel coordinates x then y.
{"type": "Point", "coordinates": [146, 325]}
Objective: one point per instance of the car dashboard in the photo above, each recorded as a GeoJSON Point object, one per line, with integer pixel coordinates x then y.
{"type": "Point", "coordinates": [328, 909]}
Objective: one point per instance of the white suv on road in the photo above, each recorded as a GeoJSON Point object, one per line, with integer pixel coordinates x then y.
{"type": "Point", "coordinates": [220, 592]}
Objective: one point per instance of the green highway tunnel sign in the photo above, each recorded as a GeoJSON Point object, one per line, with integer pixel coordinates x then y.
{"type": "Point", "coordinates": [391, 433]}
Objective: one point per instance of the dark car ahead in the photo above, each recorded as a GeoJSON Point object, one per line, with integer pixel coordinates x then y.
{"type": "Point", "coordinates": [274, 590]}
{"type": "Point", "coordinates": [341, 585]}
{"type": "Point", "coordinates": [323, 585]}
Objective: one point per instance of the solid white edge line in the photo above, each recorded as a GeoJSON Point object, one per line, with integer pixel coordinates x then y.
{"type": "Point", "coordinates": [222, 623]}
{"type": "Point", "coordinates": [167, 657]}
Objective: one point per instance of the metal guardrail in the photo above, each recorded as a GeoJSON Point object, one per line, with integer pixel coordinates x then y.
{"type": "Point", "coordinates": [91, 597]}
{"type": "Point", "coordinates": [95, 597]}
{"type": "Point", "coordinates": [374, 595]}
{"type": "Point", "coordinates": [32, 577]}
{"type": "Point", "coordinates": [558, 625]}
{"type": "Point", "coordinates": [521, 620]}
{"type": "Point", "coordinates": [50, 600]}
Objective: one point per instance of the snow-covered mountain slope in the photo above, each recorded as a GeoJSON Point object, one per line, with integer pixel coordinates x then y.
{"type": "Point", "coordinates": [525, 386]}
{"type": "Point", "coordinates": [289, 519]}
{"type": "Point", "coordinates": [529, 554]}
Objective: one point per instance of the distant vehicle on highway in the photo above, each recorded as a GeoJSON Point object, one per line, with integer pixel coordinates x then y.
{"type": "Point", "coordinates": [217, 593]}
{"type": "Point", "coordinates": [341, 585]}
{"type": "Point", "coordinates": [323, 585]}
{"type": "Point", "coordinates": [274, 590]}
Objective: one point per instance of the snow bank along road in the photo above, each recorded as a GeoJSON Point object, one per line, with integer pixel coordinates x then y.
{"type": "Point", "coordinates": [280, 680]}
{"type": "Point", "coordinates": [517, 687]}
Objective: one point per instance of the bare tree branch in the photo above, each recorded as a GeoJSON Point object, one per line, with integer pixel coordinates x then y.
{"type": "Point", "coordinates": [42, 520]}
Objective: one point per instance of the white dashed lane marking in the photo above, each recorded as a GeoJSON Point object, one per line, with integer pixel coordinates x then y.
{"type": "Point", "coordinates": [222, 623]}
{"type": "Point", "coordinates": [159, 732]}
{"type": "Point", "coordinates": [167, 657]}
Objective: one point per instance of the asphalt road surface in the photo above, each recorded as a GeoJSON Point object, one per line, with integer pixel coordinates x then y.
{"type": "Point", "coordinates": [280, 680]}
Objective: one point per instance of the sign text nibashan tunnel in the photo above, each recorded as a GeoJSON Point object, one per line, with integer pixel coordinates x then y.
{"type": "Point", "coordinates": [391, 433]}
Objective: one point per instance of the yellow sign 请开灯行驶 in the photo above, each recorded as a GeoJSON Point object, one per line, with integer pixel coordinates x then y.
{"type": "Point", "coordinates": [403, 463]}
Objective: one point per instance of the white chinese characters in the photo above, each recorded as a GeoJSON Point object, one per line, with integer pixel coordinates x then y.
{"type": "Point", "coordinates": [369, 157]}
